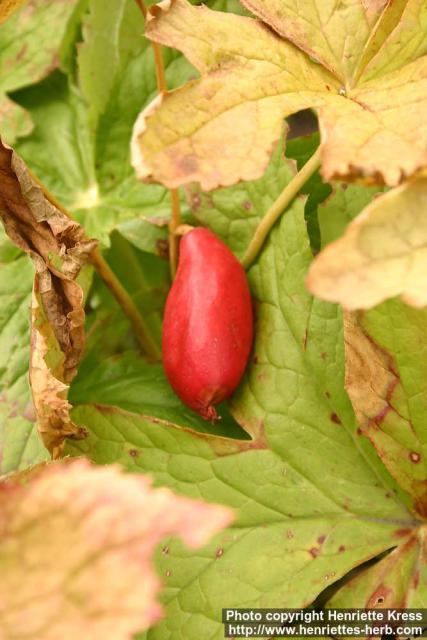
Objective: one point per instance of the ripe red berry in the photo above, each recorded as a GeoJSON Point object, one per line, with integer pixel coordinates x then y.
{"type": "Point", "coordinates": [208, 323]}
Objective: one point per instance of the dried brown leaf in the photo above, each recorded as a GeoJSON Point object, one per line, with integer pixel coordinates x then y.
{"type": "Point", "coordinates": [58, 248]}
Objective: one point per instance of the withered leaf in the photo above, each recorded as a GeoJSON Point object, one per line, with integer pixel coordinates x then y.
{"type": "Point", "coordinates": [58, 248]}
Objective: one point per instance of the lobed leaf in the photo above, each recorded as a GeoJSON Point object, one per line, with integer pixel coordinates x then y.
{"type": "Point", "coordinates": [313, 500]}
{"type": "Point", "coordinates": [253, 76]}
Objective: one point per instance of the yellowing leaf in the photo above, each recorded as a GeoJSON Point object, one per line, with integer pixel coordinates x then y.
{"type": "Point", "coordinates": [333, 33]}
{"type": "Point", "coordinates": [76, 549]}
{"type": "Point", "coordinates": [382, 254]}
{"type": "Point", "coordinates": [222, 128]}
{"type": "Point", "coordinates": [58, 248]}
{"type": "Point", "coordinates": [398, 38]}
{"type": "Point", "coordinates": [380, 403]}
{"type": "Point", "coordinates": [391, 583]}
{"type": "Point", "coordinates": [184, 141]}
{"type": "Point", "coordinates": [7, 7]}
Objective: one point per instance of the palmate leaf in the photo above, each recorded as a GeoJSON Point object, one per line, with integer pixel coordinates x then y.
{"type": "Point", "coordinates": [313, 499]}
{"type": "Point", "coordinates": [367, 84]}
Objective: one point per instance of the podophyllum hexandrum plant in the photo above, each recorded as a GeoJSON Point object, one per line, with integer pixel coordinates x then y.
{"type": "Point", "coordinates": [113, 142]}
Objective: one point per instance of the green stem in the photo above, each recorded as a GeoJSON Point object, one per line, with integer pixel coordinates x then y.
{"type": "Point", "coordinates": [278, 207]}
{"type": "Point", "coordinates": [145, 340]}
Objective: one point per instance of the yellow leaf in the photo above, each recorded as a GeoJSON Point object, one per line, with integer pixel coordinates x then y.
{"type": "Point", "coordinates": [333, 33]}
{"type": "Point", "coordinates": [76, 548]}
{"type": "Point", "coordinates": [400, 37]}
{"type": "Point", "coordinates": [184, 140]}
{"type": "Point", "coordinates": [382, 254]}
{"type": "Point", "coordinates": [222, 128]}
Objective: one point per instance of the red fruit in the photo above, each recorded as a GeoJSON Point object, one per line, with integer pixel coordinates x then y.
{"type": "Point", "coordinates": [208, 324]}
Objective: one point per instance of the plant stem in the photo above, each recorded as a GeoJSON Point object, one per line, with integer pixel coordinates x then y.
{"type": "Point", "coordinates": [278, 207]}
{"type": "Point", "coordinates": [175, 204]}
{"type": "Point", "coordinates": [175, 222]}
{"type": "Point", "coordinates": [145, 340]}
{"type": "Point", "coordinates": [142, 334]}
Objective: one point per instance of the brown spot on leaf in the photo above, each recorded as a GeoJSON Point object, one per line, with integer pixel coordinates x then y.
{"type": "Point", "coordinates": [402, 533]}
{"type": "Point", "coordinates": [219, 552]}
{"type": "Point", "coordinates": [165, 550]}
{"type": "Point", "coordinates": [335, 418]}
{"type": "Point", "coordinates": [321, 539]}
{"type": "Point", "coordinates": [289, 534]}
{"type": "Point", "coordinates": [134, 453]}
{"type": "Point", "coordinates": [162, 248]}
{"type": "Point", "coordinates": [341, 548]}
{"type": "Point", "coordinates": [314, 551]}
{"type": "Point", "coordinates": [247, 205]}
{"type": "Point", "coordinates": [415, 457]}
{"type": "Point", "coordinates": [195, 201]}
{"type": "Point", "coordinates": [378, 597]}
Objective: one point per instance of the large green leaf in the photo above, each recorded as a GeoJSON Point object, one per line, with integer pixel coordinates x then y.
{"type": "Point", "coordinates": [80, 144]}
{"type": "Point", "coordinates": [313, 499]}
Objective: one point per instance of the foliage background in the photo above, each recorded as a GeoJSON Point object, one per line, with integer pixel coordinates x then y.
{"type": "Point", "coordinates": [321, 453]}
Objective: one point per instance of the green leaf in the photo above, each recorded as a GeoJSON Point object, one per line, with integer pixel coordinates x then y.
{"type": "Point", "coordinates": [20, 445]}
{"type": "Point", "coordinates": [80, 144]}
{"type": "Point", "coordinates": [129, 383]}
{"type": "Point", "coordinates": [393, 582]}
{"type": "Point", "coordinates": [313, 501]}
{"type": "Point", "coordinates": [385, 359]}
{"type": "Point", "coordinates": [31, 41]}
